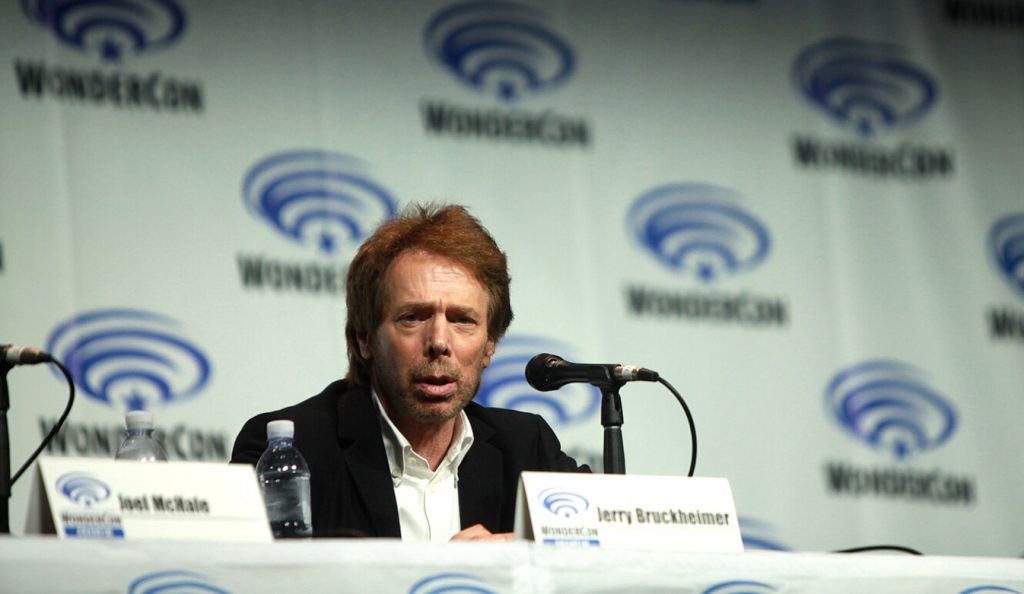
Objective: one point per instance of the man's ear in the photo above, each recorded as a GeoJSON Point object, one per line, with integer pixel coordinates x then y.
{"type": "Point", "coordinates": [364, 345]}
{"type": "Point", "coordinates": [488, 352]}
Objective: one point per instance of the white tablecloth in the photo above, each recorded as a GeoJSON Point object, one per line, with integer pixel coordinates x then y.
{"type": "Point", "coordinates": [44, 564]}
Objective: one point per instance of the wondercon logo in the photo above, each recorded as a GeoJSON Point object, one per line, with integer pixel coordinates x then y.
{"type": "Point", "coordinates": [451, 582]}
{"type": "Point", "coordinates": [760, 536]}
{"type": "Point", "coordinates": [698, 230]}
{"type": "Point", "coordinates": [868, 86]}
{"type": "Point", "coordinates": [564, 504]}
{"type": "Point", "coordinates": [317, 197]}
{"type": "Point", "coordinates": [741, 587]}
{"type": "Point", "coordinates": [504, 384]}
{"type": "Point", "coordinates": [175, 581]}
{"type": "Point", "coordinates": [499, 48]}
{"type": "Point", "coordinates": [888, 405]}
{"type": "Point", "coordinates": [82, 488]}
{"type": "Point", "coordinates": [130, 357]}
{"type": "Point", "coordinates": [1006, 240]}
{"type": "Point", "coordinates": [110, 29]}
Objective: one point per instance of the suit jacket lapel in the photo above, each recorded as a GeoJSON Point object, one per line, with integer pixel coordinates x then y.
{"type": "Point", "coordinates": [480, 480]}
{"type": "Point", "coordinates": [359, 437]}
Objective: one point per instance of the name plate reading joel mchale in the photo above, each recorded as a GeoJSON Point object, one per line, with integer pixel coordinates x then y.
{"type": "Point", "coordinates": [88, 498]}
{"type": "Point", "coordinates": [628, 512]}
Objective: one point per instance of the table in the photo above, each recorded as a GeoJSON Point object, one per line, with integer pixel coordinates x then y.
{"type": "Point", "coordinates": [38, 564]}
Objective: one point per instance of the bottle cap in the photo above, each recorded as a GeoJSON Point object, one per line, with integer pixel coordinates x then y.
{"type": "Point", "coordinates": [280, 428]}
{"type": "Point", "coordinates": [139, 419]}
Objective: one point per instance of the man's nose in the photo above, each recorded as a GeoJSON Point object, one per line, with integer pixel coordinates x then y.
{"type": "Point", "coordinates": [439, 338]}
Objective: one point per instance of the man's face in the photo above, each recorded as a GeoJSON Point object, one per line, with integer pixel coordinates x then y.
{"type": "Point", "coordinates": [431, 347]}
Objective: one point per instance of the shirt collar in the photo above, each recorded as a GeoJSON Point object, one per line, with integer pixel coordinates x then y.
{"type": "Point", "coordinates": [398, 449]}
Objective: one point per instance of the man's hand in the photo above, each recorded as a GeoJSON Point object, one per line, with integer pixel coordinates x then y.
{"type": "Point", "coordinates": [478, 532]}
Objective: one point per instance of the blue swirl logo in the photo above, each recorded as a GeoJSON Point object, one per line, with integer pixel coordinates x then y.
{"type": "Point", "coordinates": [868, 86]}
{"type": "Point", "coordinates": [888, 405]}
{"type": "Point", "coordinates": [1006, 240]}
{"type": "Point", "coordinates": [741, 587]}
{"type": "Point", "coordinates": [83, 488]}
{"type": "Point", "coordinates": [985, 589]}
{"type": "Point", "coordinates": [499, 48]}
{"type": "Point", "coordinates": [562, 503]}
{"type": "Point", "coordinates": [698, 230]}
{"type": "Point", "coordinates": [317, 197]}
{"type": "Point", "coordinates": [110, 29]}
{"type": "Point", "coordinates": [451, 582]}
{"type": "Point", "coordinates": [504, 384]}
{"type": "Point", "coordinates": [130, 357]}
{"type": "Point", "coordinates": [759, 536]}
{"type": "Point", "coordinates": [175, 581]}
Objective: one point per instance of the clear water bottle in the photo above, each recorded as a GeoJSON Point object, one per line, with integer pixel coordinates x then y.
{"type": "Point", "coordinates": [139, 444]}
{"type": "Point", "coordinates": [284, 482]}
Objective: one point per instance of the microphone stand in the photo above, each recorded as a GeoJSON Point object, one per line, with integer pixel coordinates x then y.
{"type": "Point", "coordinates": [5, 451]}
{"type": "Point", "coordinates": [611, 420]}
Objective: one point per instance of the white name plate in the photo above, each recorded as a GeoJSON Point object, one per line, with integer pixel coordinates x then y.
{"type": "Point", "coordinates": [91, 498]}
{"type": "Point", "coordinates": [628, 512]}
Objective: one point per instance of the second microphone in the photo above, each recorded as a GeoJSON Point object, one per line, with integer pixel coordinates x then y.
{"type": "Point", "coordinates": [546, 372]}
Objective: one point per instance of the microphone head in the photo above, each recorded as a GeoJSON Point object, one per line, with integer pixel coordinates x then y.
{"type": "Point", "coordinates": [539, 372]}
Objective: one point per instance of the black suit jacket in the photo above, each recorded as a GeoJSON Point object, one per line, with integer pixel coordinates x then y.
{"type": "Point", "coordinates": [338, 433]}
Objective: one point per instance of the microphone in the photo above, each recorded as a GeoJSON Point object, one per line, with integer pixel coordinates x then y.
{"type": "Point", "coordinates": [14, 355]}
{"type": "Point", "coordinates": [547, 372]}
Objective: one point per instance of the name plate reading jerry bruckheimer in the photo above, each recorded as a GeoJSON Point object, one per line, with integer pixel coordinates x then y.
{"type": "Point", "coordinates": [628, 512]}
{"type": "Point", "coordinates": [89, 498]}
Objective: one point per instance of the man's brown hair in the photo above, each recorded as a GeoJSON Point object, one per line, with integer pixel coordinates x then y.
{"type": "Point", "coordinates": [448, 231]}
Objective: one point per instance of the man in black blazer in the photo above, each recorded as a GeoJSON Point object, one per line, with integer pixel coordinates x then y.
{"type": "Point", "coordinates": [428, 300]}
{"type": "Point", "coordinates": [339, 435]}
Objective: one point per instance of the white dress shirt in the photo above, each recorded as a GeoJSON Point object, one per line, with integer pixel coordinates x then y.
{"type": "Point", "coordinates": [428, 500]}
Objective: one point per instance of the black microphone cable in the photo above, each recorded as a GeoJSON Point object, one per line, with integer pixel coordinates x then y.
{"type": "Point", "coordinates": [56, 426]}
{"type": "Point", "coordinates": [868, 549]}
{"type": "Point", "coordinates": [689, 419]}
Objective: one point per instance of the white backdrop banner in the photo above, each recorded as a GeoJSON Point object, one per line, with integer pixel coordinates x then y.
{"type": "Point", "coordinates": [807, 216]}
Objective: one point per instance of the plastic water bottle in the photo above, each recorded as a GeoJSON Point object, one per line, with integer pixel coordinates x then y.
{"type": "Point", "coordinates": [284, 482]}
{"type": "Point", "coordinates": [140, 444]}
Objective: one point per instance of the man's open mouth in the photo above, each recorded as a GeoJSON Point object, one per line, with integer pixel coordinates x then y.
{"type": "Point", "coordinates": [437, 385]}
